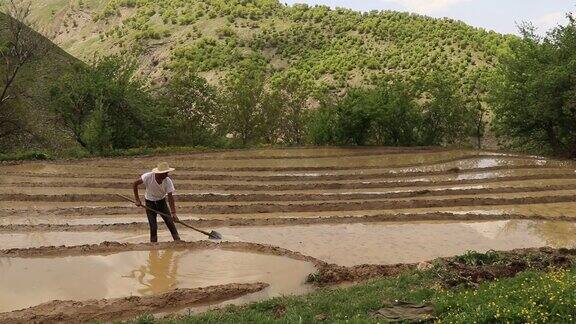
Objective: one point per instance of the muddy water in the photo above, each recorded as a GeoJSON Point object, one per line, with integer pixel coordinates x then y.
{"type": "Point", "coordinates": [389, 243]}
{"type": "Point", "coordinates": [28, 282]}
{"type": "Point", "coordinates": [554, 209]}
{"type": "Point", "coordinates": [549, 193]}
{"type": "Point", "coordinates": [37, 239]}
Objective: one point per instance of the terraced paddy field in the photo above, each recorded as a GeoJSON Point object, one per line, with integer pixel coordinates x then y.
{"type": "Point", "coordinates": [77, 248]}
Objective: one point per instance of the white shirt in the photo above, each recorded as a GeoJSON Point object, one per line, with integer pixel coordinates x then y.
{"type": "Point", "coordinates": [156, 191]}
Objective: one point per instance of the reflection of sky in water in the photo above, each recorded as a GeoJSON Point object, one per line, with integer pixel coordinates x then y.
{"type": "Point", "coordinates": [488, 162]}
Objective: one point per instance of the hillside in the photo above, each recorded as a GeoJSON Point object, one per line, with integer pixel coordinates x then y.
{"type": "Point", "coordinates": [26, 121]}
{"type": "Point", "coordinates": [336, 48]}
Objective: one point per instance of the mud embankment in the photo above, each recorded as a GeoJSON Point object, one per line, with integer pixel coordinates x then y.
{"type": "Point", "coordinates": [261, 197]}
{"type": "Point", "coordinates": [117, 308]}
{"type": "Point", "coordinates": [306, 186]}
{"type": "Point", "coordinates": [391, 174]}
{"type": "Point", "coordinates": [455, 271]}
{"type": "Point", "coordinates": [245, 222]}
{"type": "Point", "coordinates": [115, 247]}
{"type": "Point", "coordinates": [262, 208]}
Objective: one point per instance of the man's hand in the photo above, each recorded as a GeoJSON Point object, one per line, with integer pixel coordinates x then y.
{"type": "Point", "coordinates": [175, 218]}
{"type": "Point", "coordinates": [138, 203]}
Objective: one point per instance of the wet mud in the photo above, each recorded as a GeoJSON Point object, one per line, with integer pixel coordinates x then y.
{"type": "Point", "coordinates": [73, 311]}
{"type": "Point", "coordinates": [308, 186]}
{"type": "Point", "coordinates": [261, 197]}
{"type": "Point", "coordinates": [276, 177]}
{"type": "Point", "coordinates": [258, 208]}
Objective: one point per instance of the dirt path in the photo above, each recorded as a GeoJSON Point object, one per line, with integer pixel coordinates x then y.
{"type": "Point", "coordinates": [58, 311]}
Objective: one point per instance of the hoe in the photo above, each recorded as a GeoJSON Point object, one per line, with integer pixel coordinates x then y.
{"type": "Point", "coordinates": [212, 235]}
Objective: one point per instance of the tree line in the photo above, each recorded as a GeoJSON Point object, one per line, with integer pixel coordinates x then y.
{"type": "Point", "coordinates": [106, 106]}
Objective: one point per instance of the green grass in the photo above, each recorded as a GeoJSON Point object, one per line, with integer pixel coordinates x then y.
{"type": "Point", "coordinates": [25, 155]}
{"type": "Point", "coordinates": [529, 297]}
{"type": "Point", "coordinates": [536, 297]}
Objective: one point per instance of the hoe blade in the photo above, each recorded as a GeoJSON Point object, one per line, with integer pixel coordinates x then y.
{"type": "Point", "coordinates": [215, 235]}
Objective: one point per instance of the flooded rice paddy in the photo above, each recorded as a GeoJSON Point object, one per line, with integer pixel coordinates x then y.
{"type": "Point", "coordinates": [27, 282]}
{"type": "Point", "coordinates": [350, 244]}
{"type": "Point", "coordinates": [346, 206]}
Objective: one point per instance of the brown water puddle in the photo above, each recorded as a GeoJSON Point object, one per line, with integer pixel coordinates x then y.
{"type": "Point", "coordinates": [37, 239]}
{"type": "Point", "coordinates": [27, 282]}
{"type": "Point", "coordinates": [390, 243]}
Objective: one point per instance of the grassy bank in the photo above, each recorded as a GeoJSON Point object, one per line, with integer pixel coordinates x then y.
{"type": "Point", "coordinates": [532, 296]}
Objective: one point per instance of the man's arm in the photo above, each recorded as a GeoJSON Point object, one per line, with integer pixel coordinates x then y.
{"type": "Point", "coordinates": [172, 206]}
{"type": "Point", "coordinates": [136, 196]}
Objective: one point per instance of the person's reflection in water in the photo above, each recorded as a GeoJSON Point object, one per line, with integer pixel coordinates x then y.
{"type": "Point", "coordinates": [160, 273]}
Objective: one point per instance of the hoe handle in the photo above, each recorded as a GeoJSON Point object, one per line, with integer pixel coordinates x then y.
{"type": "Point", "coordinates": [163, 214]}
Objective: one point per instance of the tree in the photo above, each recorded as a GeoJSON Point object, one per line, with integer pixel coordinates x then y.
{"type": "Point", "coordinates": [533, 92]}
{"type": "Point", "coordinates": [194, 107]}
{"type": "Point", "coordinates": [273, 117]}
{"type": "Point", "coordinates": [446, 117]}
{"type": "Point", "coordinates": [396, 117]}
{"type": "Point", "coordinates": [355, 116]}
{"type": "Point", "coordinates": [243, 96]}
{"type": "Point", "coordinates": [479, 111]}
{"type": "Point", "coordinates": [106, 107]}
{"type": "Point", "coordinates": [20, 46]}
{"type": "Point", "coordinates": [293, 93]}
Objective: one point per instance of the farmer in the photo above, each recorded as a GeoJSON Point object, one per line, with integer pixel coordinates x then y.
{"type": "Point", "coordinates": [158, 186]}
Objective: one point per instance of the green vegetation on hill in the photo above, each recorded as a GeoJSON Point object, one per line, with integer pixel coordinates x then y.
{"type": "Point", "coordinates": [334, 48]}
{"type": "Point", "coordinates": [275, 74]}
{"type": "Point", "coordinates": [26, 122]}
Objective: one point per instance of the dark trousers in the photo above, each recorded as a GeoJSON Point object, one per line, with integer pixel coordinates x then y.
{"type": "Point", "coordinates": [160, 206]}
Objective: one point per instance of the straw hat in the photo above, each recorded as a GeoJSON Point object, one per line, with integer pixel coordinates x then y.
{"type": "Point", "coordinates": [162, 167]}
